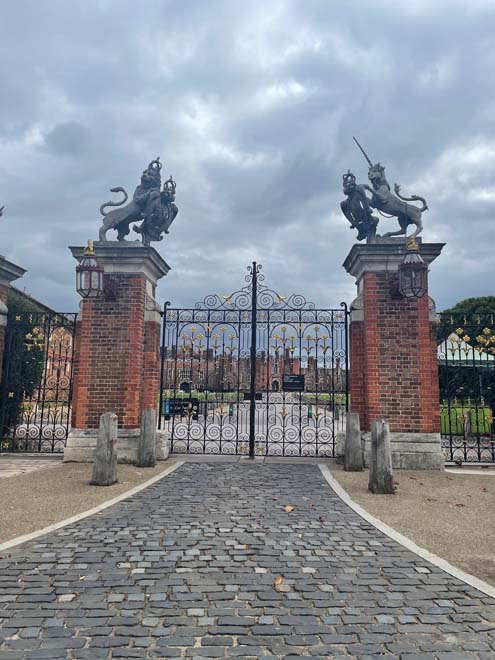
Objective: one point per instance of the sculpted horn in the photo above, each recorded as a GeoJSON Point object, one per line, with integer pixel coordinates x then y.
{"type": "Point", "coordinates": [363, 152]}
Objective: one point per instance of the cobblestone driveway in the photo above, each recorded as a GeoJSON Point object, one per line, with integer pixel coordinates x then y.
{"type": "Point", "coordinates": [187, 569]}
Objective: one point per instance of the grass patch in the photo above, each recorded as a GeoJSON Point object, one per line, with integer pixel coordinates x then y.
{"type": "Point", "coordinates": [452, 420]}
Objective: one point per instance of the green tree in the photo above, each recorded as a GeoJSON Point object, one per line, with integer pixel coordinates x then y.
{"type": "Point", "coordinates": [466, 335]}
{"type": "Point", "coordinates": [484, 305]}
{"type": "Point", "coordinates": [473, 315]}
{"type": "Point", "coordinates": [24, 358]}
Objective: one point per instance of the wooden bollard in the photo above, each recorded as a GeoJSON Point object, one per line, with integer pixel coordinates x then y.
{"type": "Point", "coordinates": [105, 456]}
{"type": "Point", "coordinates": [147, 439]}
{"type": "Point", "coordinates": [381, 480]}
{"type": "Point", "coordinates": [353, 450]}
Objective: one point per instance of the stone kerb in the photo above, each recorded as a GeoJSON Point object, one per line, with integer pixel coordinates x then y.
{"type": "Point", "coordinates": [117, 351]}
{"type": "Point", "coordinates": [393, 355]}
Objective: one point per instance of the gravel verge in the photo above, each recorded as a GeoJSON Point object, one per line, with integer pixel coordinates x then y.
{"type": "Point", "coordinates": [35, 500]}
{"type": "Point", "coordinates": [451, 515]}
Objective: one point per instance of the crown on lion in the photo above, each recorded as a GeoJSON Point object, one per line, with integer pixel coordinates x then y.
{"type": "Point", "coordinates": [170, 186]}
{"type": "Point", "coordinates": [348, 178]}
{"type": "Point", "coordinates": [152, 172]}
{"type": "Point", "coordinates": [155, 165]}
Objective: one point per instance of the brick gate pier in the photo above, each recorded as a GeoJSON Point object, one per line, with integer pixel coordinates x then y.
{"type": "Point", "coordinates": [393, 354]}
{"type": "Point", "coordinates": [117, 352]}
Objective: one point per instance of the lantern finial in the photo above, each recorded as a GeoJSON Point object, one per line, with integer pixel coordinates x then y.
{"type": "Point", "coordinates": [412, 244]}
{"type": "Point", "coordinates": [413, 272]}
{"type": "Point", "coordinates": [89, 274]}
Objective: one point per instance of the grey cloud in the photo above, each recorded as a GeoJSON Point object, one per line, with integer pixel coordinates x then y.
{"type": "Point", "coordinates": [252, 107]}
{"type": "Point", "coordinates": [67, 139]}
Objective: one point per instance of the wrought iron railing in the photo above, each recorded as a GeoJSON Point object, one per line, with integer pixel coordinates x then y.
{"type": "Point", "coordinates": [36, 385]}
{"type": "Point", "coordinates": [255, 373]}
{"type": "Point", "coordinates": [466, 362]}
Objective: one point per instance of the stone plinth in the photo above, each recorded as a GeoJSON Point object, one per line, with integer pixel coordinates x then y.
{"type": "Point", "coordinates": [9, 272]}
{"type": "Point", "coordinates": [393, 355]}
{"type": "Point", "coordinates": [410, 451]}
{"type": "Point", "coordinates": [81, 445]}
{"type": "Point", "coordinates": [117, 350]}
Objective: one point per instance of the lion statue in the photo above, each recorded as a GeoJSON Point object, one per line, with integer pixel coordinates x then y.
{"type": "Point", "coordinates": [159, 213]}
{"type": "Point", "coordinates": [120, 219]}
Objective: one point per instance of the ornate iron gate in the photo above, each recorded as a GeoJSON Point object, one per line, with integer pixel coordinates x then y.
{"type": "Point", "coordinates": [466, 360]}
{"type": "Point", "coordinates": [254, 373]}
{"type": "Point", "coordinates": [36, 387]}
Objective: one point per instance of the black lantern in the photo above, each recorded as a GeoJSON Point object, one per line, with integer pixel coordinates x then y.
{"type": "Point", "coordinates": [89, 275]}
{"type": "Point", "coordinates": [413, 272]}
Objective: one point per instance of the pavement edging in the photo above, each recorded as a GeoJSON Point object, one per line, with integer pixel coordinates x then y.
{"type": "Point", "coordinates": [18, 540]}
{"type": "Point", "coordinates": [473, 581]}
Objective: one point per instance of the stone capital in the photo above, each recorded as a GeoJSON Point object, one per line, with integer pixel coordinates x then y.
{"type": "Point", "coordinates": [9, 272]}
{"type": "Point", "coordinates": [357, 309]}
{"type": "Point", "coordinates": [127, 257]}
{"type": "Point", "coordinates": [3, 313]}
{"type": "Point", "coordinates": [385, 257]}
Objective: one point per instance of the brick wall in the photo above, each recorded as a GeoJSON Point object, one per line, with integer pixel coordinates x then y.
{"type": "Point", "coordinates": [394, 370]}
{"type": "Point", "coordinates": [2, 346]}
{"type": "Point", "coordinates": [357, 382]}
{"type": "Point", "coordinates": [111, 346]}
{"type": "Point", "coordinates": [3, 293]}
{"type": "Point", "coordinates": [151, 365]}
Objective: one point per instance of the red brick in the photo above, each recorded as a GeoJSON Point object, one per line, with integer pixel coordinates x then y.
{"type": "Point", "coordinates": [116, 365]}
{"type": "Point", "coordinates": [393, 358]}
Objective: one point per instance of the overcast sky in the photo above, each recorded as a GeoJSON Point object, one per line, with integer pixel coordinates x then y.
{"type": "Point", "coordinates": [252, 106]}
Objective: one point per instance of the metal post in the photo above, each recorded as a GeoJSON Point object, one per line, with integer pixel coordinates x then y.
{"type": "Point", "coordinates": [163, 355]}
{"type": "Point", "coordinates": [4, 375]}
{"type": "Point", "coordinates": [346, 348]}
{"type": "Point", "coordinates": [252, 389]}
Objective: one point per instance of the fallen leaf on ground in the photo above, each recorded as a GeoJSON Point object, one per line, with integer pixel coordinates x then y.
{"type": "Point", "coordinates": [279, 586]}
{"type": "Point", "coordinates": [288, 508]}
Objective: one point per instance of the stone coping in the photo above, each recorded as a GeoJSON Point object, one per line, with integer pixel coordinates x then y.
{"type": "Point", "coordinates": [385, 257]}
{"type": "Point", "coordinates": [9, 271]}
{"type": "Point", "coordinates": [126, 257]}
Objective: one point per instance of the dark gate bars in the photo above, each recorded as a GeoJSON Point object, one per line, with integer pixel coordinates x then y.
{"type": "Point", "coordinates": [254, 325]}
